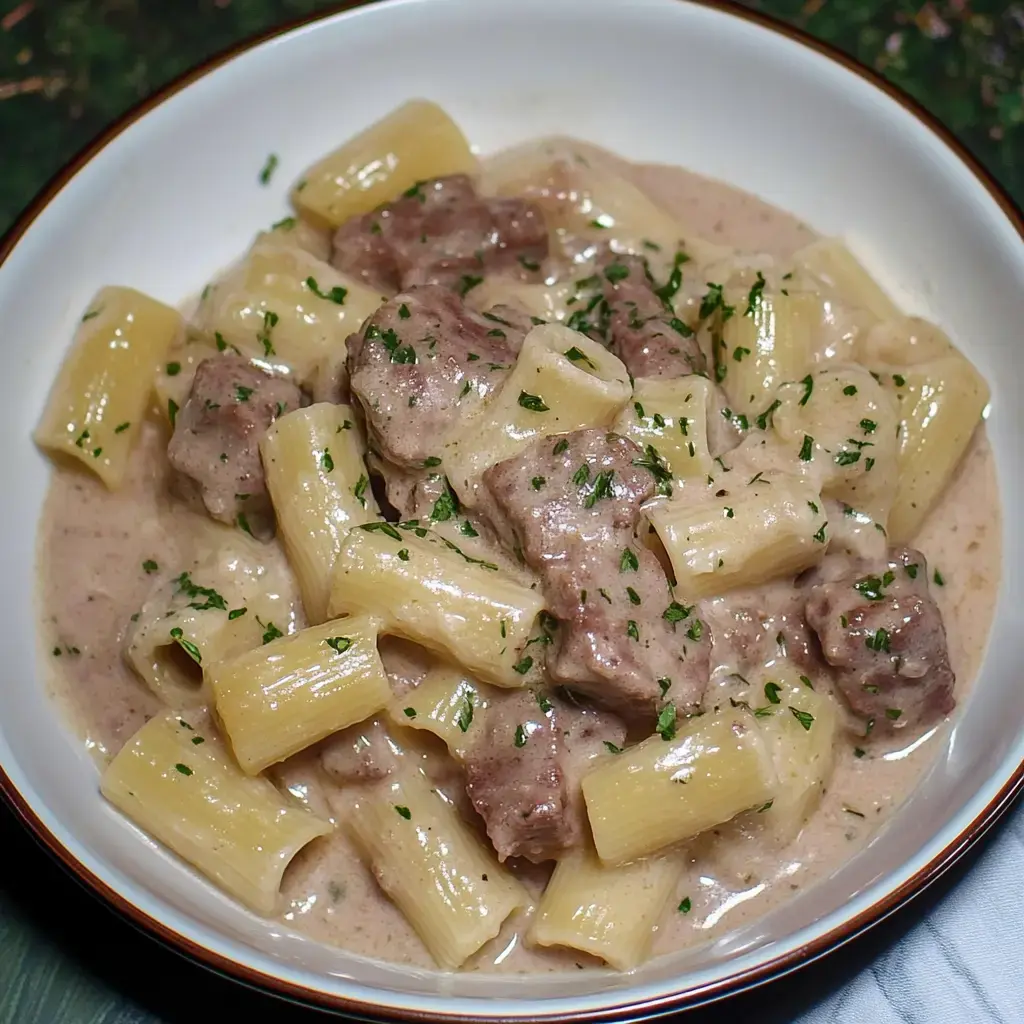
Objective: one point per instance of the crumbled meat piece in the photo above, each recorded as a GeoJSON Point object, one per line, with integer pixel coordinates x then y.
{"type": "Point", "coordinates": [215, 445]}
{"type": "Point", "coordinates": [515, 777]}
{"type": "Point", "coordinates": [756, 626]}
{"type": "Point", "coordinates": [418, 362]}
{"type": "Point", "coordinates": [882, 632]}
{"type": "Point", "coordinates": [442, 232]}
{"type": "Point", "coordinates": [621, 640]}
{"type": "Point", "coordinates": [638, 325]}
{"type": "Point", "coordinates": [361, 753]}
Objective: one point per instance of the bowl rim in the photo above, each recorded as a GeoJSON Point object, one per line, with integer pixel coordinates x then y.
{"type": "Point", "coordinates": [635, 1009]}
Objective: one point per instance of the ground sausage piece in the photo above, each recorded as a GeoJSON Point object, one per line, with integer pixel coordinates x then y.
{"type": "Point", "coordinates": [516, 776]}
{"type": "Point", "coordinates": [882, 632]}
{"type": "Point", "coordinates": [442, 232]}
{"type": "Point", "coordinates": [571, 505]}
{"type": "Point", "coordinates": [215, 445]}
{"type": "Point", "coordinates": [419, 363]}
{"type": "Point", "coordinates": [637, 324]}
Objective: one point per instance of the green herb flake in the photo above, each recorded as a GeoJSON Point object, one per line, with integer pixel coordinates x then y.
{"type": "Point", "coordinates": [676, 612]}
{"type": "Point", "coordinates": [696, 631]}
{"type": "Point", "coordinates": [879, 641]}
{"type": "Point", "coordinates": [756, 295]}
{"type": "Point", "coordinates": [403, 812]}
{"type": "Point", "coordinates": [532, 402]}
{"type": "Point", "coordinates": [465, 716]}
{"type": "Point", "coordinates": [808, 383]}
{"type": "Point", "coordinates": [523, 665]}
{"type": "Point", "coordinates": [150, 566]}
{"type": "Point", "coordinates": [337, 294]}
{"type": "Point", "coordinates": [467, 283]}
{"type": "Point", "coordinates": [183, 769]}
{"type": "Point", "coordinates": [269, 166]}
{"type": "Point", "coordinates": [632, 630]}
{"type": "Point", "coordinates": [771, 691]}
{"type": "Point", "coordinates": [612, 748]}
{"type": "Point", "coordinates": [538, 482]}
{"type": "Point", "coordinates": [893, 714]}
{"type": "Point", "coordinates": [807, 449]}
{"type": "Point", "coordinates": [666, 725]}
{"type": "Point", "coordinates": [520, 737]}
{"type": "Point", "coordinates": [805, 718]}
{"type": "Point", "coordinates": [939, 579]}
{"type": "Point", "coordinates": [339, 644]}
{"type": "Point", "coordinates": [685, 906]}
{"type": "Point", "coordinates": [629, 562]}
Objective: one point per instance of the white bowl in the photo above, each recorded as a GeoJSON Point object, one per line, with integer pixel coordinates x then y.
{"type": "Point", "coordinates": [171, 194]}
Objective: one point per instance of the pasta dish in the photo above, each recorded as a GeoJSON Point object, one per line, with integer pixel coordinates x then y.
{"type": "Point", "coordinates": [515, 564]}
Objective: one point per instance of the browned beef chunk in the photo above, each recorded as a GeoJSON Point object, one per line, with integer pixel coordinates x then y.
{"type": "Point", "coordinates": [753, 627]}
{"type": "Point", "coordinates": [361, 753]}
{"type": "Point", "coordinates": [516, 779]}
{"type": "Point", "coordinates": [442, 232]}
{"type": "Point", "coordinates": [882, 632]}
{"type": "Point", "coordinates": [416, 361]}
{"type": "Point", "coordinates": [571, 504]}
{"type": "Point", "coordinates": [215, 446]}
{"type": "Point", "coordinates": [637, 324]}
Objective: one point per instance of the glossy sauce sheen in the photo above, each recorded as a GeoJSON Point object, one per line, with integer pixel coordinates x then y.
{"type": "Point", "coordinates": [93, 544]}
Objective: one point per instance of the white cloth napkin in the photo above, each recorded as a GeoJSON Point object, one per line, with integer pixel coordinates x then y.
{"type": "Point", "coordinates": [961, 963]}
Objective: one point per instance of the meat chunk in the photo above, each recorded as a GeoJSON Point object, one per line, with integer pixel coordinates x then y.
{"type": "Point", "coordinates": [571, 503]}
{"type": "Point", "coordinates": [215, 445]}
{"type": "Point", "coordinates": [757, 626]}
{"type": "Point", "coordinates": [418, 362]}
{"type": "Point", "coordinates": [442, 232]}
{"type": "Point", "coordinates": [637, 324]}
{"type": "Point", "coordinates": [516, 780]}
{"type": "Point", "coordinates": [882, 632]}
{"type": "Point", "coordinates": [361, 753]}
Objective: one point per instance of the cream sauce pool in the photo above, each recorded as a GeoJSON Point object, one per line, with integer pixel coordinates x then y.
{"type": "Point", "coordinates": [93, 545]}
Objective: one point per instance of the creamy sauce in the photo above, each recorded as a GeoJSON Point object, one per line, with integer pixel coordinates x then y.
{"type": "Point", "coordinates": [93, 545]}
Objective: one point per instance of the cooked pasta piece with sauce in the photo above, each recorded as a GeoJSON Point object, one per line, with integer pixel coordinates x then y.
{"type": "Point", "coordinates": [554, 524]}
{"type": "Point", "coordinates": [178, 783]}
{"type": "Point", "coordinates": [313, 460]}
{"type": "Point", "coordinates": [296, 690]}
{"type": "Point", "coordinates": [694, 774]}
{"type": "Point", "coordinates": [430, 863]}
{"type": "Point", "coordinates": [97, 404]}
{"type": "Point", "coordinates": [425, 589]}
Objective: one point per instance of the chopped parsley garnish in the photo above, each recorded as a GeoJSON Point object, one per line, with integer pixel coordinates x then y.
{"type": "Point", "coordinates": [284, 224]}
{"type": "Point", "coordinates": [847, 457]}
{"type": "Point", "coordinates": [879, 641]}
{"type": "Point", "coordinates": [628, 562]}
{"type": "Point", "coordinates": [868, 426]}
{"type": "Point", "coordinates": [632, 630]}
{"type": "Point", "coordinates": [150, 566]}
{"type": "Point", "coordinates": [326, 461]}
{"type": "Point", "coordinates": [911, 570]}
{"type": "Point", "coordinates": [267, 171]}
{"type": "Point", "coordinates": [403, 812]}
{"type": "Point", "coordinates": [90, 314]}
{"type": "Point", "coordinates": [236, 613]}
{"type": "Point", "coordinates": [465, 716]}
{"type": "Point", "coordinates": [532, 402]}
{"type": "Point", "coordinates": [738, 353]}
{"type": "Point", "coordinates": [859, 752]}
{"type": "Point", "coordinates": [667, 291]}
{"type": "Point", "coordinates": [359, 490]}
{"type": "Point", "coordinates": [657, 467]}
{"type": "Point", "coordinates": [337, 294]}
{"type": "Point", "coordinates": [616, 272]}
{"type": "Point", "coordinates": [715, 300]}
{"type": "Point", "coordinates": [403, 555]}
{"type": "Point", "coordinates": [243, 394]}
{"type": "Point", "coordinates": [340, 644]}
{"type": "Point", "coordinates": [186, 645]}
{"type": "Point", "coordinates": [612, 748]}
{"type": "Point", "coordinates": [521, 736]}
{"type": "Point", "coordinates": [122, 427]}
{"type": "Point", "coordinates": [873, 587]}
{"type": "Point", "coordinates": [381, 527]}
{"type": "Point", "coordinates": [808, 383]}
{"type": "Point", "coordinates": [523, 665]}
{"type": "Point", "coordinates": [765, 418]}
{"type": "Point", "coordinates": [696, 630]}
{"type": "Point", "coordinates": [807, 449]}
{"type": "Point", "coordinates": [664, 685]}
{"type": "Point", "coordinates": [183, 769]}
{"type": "Point", "coordinates": [893, 713]}
{"type": "Point", "coordinates": [467, 529]}
{"type": "Point", "coordinates": [899, 380]}
{"type": "Point", "coordinates": [939, 578]}
{"type": "Point", "coordinates": [771, 691]}
{"type": "Point", "coordinates": [576, 356]}
{"type": "Point", "coordinates": [805, 718]}
{"type": "Point", "coordinates": [241, 519]}
{"type": "Point", "coordinates": [562, 446]}
{"type": "Point", "coordinates": [270, 631]}
{"type": "Point", "coordinates": [666, 726]}
{"type": "Point", "coordinates": [685, 905]}
{"type": "Point", "coordinates": [849, 390]}
{"type": "Point", "coordinates": [467, 283]}
{"type": "Point", "coordinates": [602, 488]}
{"type": "Point", "coordinates": [820, 535]}
{"type": "Point", "coordinates": [543, 703]}
{"type": "Point", "coordinates": [538, 482]}
{"type": "Point", "coordinates": [676, 612]}
{"type": "Point", "coordinates": [403, 312]}
{"type": "Point", "coordinates": [409, 712]}
{"type": "Point", "coordinates": [634, 597]}
{"type": "Point", "coordinates": [755, 296]}
{"type": "Point", "coordinates": [173, 369]}
{"type": "Point", "coordinates": [270, 320]}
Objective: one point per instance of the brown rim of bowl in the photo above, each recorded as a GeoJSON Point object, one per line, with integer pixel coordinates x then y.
{"type": "Point", "coordinates": [638, 1009]}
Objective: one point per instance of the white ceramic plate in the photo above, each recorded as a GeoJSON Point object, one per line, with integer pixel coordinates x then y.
{"type": "Point", "coordinates": [171, 194]}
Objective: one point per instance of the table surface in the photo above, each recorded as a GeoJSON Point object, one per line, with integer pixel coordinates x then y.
{"type": "Point", "coordinates": [67, 69]}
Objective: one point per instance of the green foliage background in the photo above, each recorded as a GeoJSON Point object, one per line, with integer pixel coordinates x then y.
{"type": "Point", "coordinates": [69, 67]}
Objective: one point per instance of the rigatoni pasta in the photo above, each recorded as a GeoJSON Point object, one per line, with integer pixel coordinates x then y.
{"type": "Point", "coordinates": [436, 870]}
{"type": "Point", "coordinates": [425, 589]}
{"type": "Point", "coordinates": [294, 691]}
{"type": "Point", "coordinates": [177, 782]}
{"type": "Point", "coordinates": [96, 406]}
{"type": "Point", "coordinates": [313, 460]}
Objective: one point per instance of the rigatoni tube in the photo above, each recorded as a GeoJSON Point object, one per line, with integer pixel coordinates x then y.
{"type": "Point", "coordinates": [414, 142]}
{"type": "Point", "coordinates": [773, 527]}
{"type": "Point", "coordinates": [97, 403]}
{"type": "Point", "coordinates": [661, 792]}
{"type": "Point", "coordinates": [291, 693]}
{"type": "Point", "coordinates": [426, 589]}
{"type": "Point", "coordinates": [609, 912]}
{"type": "Point", "coordinates": [318, 482]}
{"type": "Point", "coordinates": [435, 869]}
{"type": "Point", "coordinates": [562, 381]}
{"type": "Point", "coordinates": [179, 784]}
